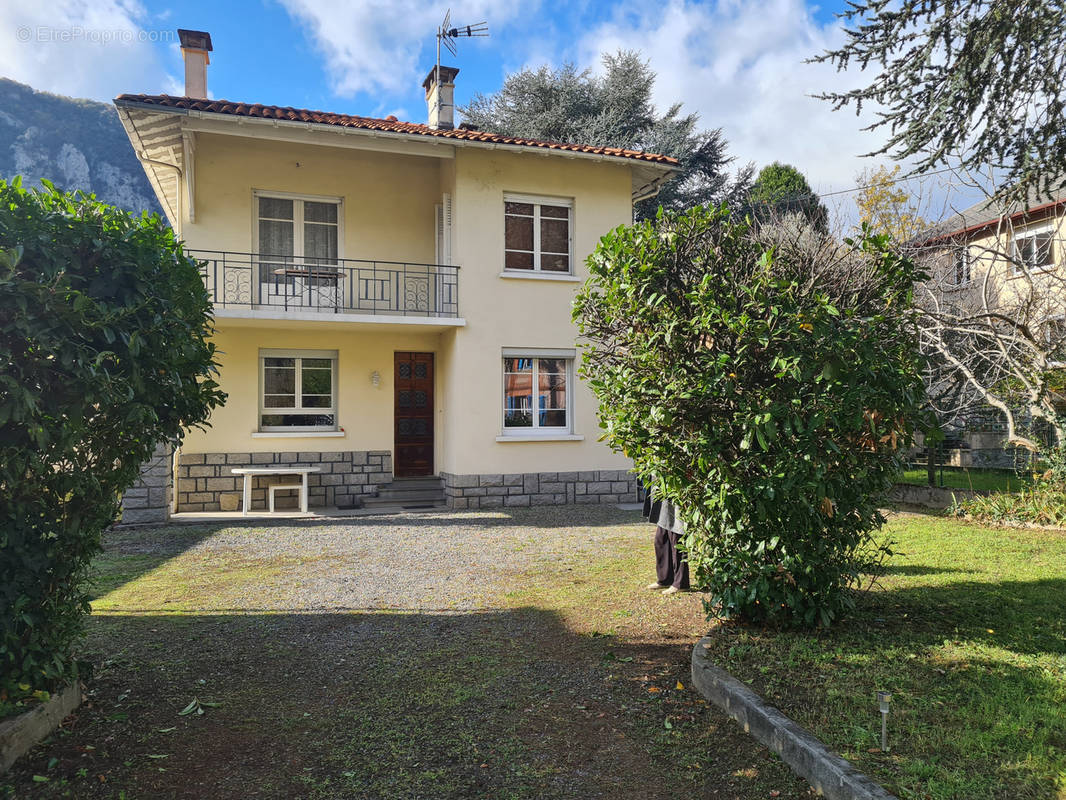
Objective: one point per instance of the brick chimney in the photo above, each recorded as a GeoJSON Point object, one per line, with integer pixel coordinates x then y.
{"type": "Point", "coordinates": [195, 46]}
{"type": "Point", "coordinates": [440, 100]}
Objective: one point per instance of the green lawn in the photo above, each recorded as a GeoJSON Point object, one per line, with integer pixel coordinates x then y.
{"type": "Point", "coordinates": [567, 679]}
{"type": "Point", "coordinates": [968, 632]}
{"type": "Point", "coordinates": [991, 480]}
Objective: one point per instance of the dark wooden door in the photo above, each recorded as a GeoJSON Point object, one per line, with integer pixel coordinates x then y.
{"type": "Point", "coordinates": [413, 451]}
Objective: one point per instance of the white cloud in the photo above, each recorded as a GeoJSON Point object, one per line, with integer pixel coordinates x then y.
{"type": "Point", "coordinates": [740, 65]}
{"type": "Point", "coordinates": [375, 45]}
{"type": "Point", "coordinates": [82, 48]}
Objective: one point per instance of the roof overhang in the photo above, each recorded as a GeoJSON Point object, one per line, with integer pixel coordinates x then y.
{"type": "Point", "coordinates": [152, 130]}
{"type": "Point", "coordinates": [1032, 214]}
{"type": "Point", "coordinates": [163, 149]}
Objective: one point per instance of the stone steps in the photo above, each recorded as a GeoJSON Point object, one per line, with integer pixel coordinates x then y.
{"type": "Point", "coordinates": [428, 491]}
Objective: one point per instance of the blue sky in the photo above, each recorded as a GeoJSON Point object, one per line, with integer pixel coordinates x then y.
{"type": "Point", "coordinates": [738, 64]}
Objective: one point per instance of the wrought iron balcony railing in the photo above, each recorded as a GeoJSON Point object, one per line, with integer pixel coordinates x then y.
{"type": "Point", "coordinates": [333, 285]}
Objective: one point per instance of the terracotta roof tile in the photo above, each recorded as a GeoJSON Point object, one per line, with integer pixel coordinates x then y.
{"type": "Point", "coordinates": [390, 124]}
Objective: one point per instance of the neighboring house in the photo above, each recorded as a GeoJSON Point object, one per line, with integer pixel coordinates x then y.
{"type": "Point", "coordinates": [392, 300]}
{"type": "Point", "coordinates": [990, 258]}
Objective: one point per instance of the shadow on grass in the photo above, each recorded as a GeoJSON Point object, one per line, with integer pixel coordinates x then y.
{"type": "Point", "coordinates": [1020, 616]}
{"type": "Point", "coordinates": [506, 704]}
{"type": "Point", "coordinates": [977, 671]}
{"type": "Point", "coordinates": [915, 569]}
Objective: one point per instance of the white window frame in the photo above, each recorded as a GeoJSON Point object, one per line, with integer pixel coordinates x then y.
{"type": "Point", "coordinates": [299, 355]}
{"type": "Point", "coordinates": [967, 258]}
{"type": "Point", "coordinates": [537, 201]}
{"type": "Point", "coordinates": [535, 431]}
{"type": "Point", "coordinates": [1029, 233]}
{"type": "Point", "coordinates": [297, 220]}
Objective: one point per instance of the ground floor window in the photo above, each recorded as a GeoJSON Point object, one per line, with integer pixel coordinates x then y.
{"type": "Point", "coordinates": [298, 390]}
{"type": "Point", "coordinates": [536, 394]}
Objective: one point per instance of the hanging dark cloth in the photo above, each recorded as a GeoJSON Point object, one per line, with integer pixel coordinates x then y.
{"type": "Point", "coordinates": [671, 566]}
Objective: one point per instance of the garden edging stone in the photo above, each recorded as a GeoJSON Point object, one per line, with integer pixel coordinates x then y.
{"type": "Point", "coordinates": [827, 772]}
{"type": "Point", "coordinates": [20, 733]}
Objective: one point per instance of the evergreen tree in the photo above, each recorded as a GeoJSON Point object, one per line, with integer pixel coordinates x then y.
{"type": "Point", "coordinates": [613, 110]}
{"type": "Point", "coordinates": [979, 81]}
{"type": "Point", "coordinates": [781, 190]}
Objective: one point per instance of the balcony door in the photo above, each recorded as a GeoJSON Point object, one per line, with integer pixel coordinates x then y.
{"type": "Point", "coordinates": [299, 243]}
{"type": "Point", "coordinates": [413, 412]}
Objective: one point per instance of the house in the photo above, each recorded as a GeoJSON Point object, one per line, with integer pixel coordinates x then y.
{"type": "Point", "coordinates": [392, 299]}
{"type": "Point", "coordinates": [1010, 259]}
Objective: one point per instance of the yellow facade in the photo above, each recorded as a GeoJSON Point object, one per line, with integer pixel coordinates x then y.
{"type": "Point", "coordinates": [389, 202]}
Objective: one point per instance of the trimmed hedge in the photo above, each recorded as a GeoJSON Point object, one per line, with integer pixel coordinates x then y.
{"type": "Point", "coordinates": [104, 325]}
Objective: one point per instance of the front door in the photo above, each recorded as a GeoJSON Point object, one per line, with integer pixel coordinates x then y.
{"type": "Point", "coordinates": [413, 451]}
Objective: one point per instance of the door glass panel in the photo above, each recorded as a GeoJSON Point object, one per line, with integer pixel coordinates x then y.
{"type": "Point", "coordinates": [320, 243]}
{"type": "Point", "coordinates": [320, 212]}
{"type": "Point", "coordinates": [276, 245]}
{"type": "Point", "coordinates": [275, 208]}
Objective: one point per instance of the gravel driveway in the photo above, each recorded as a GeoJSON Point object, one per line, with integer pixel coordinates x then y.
{"type": "Point", "coordinates": [422, 656]}
{"type": "Point", "coordinates": [412, 562]}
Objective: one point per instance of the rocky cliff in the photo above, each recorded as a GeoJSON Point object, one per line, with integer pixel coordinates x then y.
{"type": "Point", "coordinates": [76, 144]}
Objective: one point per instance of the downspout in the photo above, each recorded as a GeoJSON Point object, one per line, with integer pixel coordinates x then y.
{"type": "Point", "coordinates": [177, 193]}
{"type": "Point", "coordinates": [657, 187]}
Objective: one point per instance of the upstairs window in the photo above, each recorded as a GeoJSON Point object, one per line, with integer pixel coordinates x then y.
{"type": "Point", "coordinates": [537, 234]}
{"type": "Point", "coordinates": [1034, 250]}
{"type": "Point", "coordinates": [960, 266]}
{"type": "Point", "coordinates": [296, 231]}
{"type": "Point", "coordinates": [298, 390]}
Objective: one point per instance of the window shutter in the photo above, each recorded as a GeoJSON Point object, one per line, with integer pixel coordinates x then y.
{"type": "Point", "coordinates": [444, 230]}
{"type": "Point", "coordinates": [439, 209]}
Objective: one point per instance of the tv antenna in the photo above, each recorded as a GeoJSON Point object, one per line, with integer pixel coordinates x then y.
{"type": "Point", "coordinates": [446, 35]}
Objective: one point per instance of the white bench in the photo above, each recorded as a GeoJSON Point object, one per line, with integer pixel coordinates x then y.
{"type": "Point", "coordinates": [251, 472]}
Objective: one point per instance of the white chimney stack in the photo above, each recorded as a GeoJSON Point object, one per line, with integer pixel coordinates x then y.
{"type": "Point", "coordinates": [195, 46]}
{"type": "Point", "coordinates": [440, 97]}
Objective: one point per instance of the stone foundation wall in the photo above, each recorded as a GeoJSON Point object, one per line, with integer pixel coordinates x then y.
{"type": "Point", "coordinates": [205, 482]}
{"type": "Point", "coordinates": [539, 489]}
{"type": "Point", "coordinates": [148, 500]}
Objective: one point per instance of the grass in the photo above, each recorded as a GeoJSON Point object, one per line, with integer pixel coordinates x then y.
{"type": "Point", "coordinates": [574, 681]}
{"type": "Point", "coordinates": [968, 632]}
{"type": "Point", "coordinates": [989, 480]}
{"type": "Point", "coordinates": [519, 700]}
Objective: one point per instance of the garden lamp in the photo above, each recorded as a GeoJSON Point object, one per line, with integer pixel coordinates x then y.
{"type": "Point", "coordinates": [883, 701]}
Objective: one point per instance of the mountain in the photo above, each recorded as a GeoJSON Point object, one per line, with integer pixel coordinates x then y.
{"type": "Point", "coordinates": [76, 144]}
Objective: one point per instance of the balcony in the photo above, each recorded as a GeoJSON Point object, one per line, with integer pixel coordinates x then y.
{"type": "Point", "coordinates": [281, 287]}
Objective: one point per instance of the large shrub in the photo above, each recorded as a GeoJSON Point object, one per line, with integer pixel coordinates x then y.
{"type": "Point", "coordinates": [103, 339]}
{"type": "Point", "coordinates": [763, 380]}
